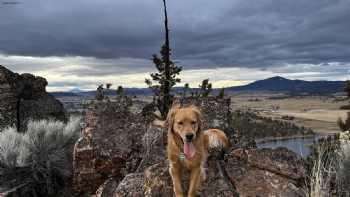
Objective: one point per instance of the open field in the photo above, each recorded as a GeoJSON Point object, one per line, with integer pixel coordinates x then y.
{"type": "Point", "coordinates": [319, 113]}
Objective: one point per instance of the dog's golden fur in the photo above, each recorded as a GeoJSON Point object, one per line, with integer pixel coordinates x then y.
{"type": "Point", "coordinates": [187, 121]}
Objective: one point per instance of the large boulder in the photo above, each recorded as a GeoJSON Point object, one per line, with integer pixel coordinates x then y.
{"type": "Point", "coordinates": [154, 145]}
{"type": "Point", "coordinates": [111, 146]}
{"type": "Point", "coordinates": [216, 112]}
{"type": "Point", "coordinates": [158, 181]}
{"type": "Point", "coordinates": [266, 172]}
{"type": "Point", "coordinates": [243, 172]}
{"type": "Point", "coordinates": [131, 185]}
{"type": "Point", "coordinates": [280, 172]}
{"type": "Point", "coordinates": [23, 98]}
{"type": "Point", "coordinates": [44, 107]}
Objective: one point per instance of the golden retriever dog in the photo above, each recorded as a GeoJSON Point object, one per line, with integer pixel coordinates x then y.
{"type": "Point", "coordinates": [188, 146]}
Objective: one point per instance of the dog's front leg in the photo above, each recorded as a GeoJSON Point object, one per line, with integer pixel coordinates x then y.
{"type": "Point", "coordinates": [194, 182]}
{"type": "Point", "coordinates": [175, 173]}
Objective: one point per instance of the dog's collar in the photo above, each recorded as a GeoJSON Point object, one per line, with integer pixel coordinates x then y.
{"type": "Point", "coordinates": [182, 156]}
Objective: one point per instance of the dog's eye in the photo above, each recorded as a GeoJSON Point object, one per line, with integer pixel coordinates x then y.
{"type": "Point", "coordinates": [193, 122]}
{"type": "Point", "coordinates": [180, 123]}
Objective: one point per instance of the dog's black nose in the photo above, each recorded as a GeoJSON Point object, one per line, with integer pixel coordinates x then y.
{"type": "Point", "coordinates": [189, 137]}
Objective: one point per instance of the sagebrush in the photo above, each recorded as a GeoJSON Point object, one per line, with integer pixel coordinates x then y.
{"type": "Point", "coordinates": [39, 161]}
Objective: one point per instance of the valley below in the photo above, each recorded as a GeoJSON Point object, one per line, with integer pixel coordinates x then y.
{"type": "Point", "coordinates": [320, 113]}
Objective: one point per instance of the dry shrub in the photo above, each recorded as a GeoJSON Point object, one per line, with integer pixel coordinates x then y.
{"type": "Point", "coordinates": [39, 161]}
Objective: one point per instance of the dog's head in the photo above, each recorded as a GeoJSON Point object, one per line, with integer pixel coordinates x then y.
{"type": "Point", "coordinates": [185, 122]}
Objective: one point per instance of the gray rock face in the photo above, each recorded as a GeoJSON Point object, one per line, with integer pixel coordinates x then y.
{"type": "Point", "coordinates": [266, 172]}
{"type": "Point", "coordinates": [158, 181]}
{"type": "Point", "coordinates": [279, 172]}
{"type": "Point", "coordinates": [216, 112]}
{"type": "Point", "coordinates": [243, 172]}
{"type": "Point", "coordinates": [154, 143]}
{"type": "Point", "coordinates": [132, 185]}
{"type": "Point", "coordinates": [23, 98]}
{"type": "Point", "coordinates": [110, 147]}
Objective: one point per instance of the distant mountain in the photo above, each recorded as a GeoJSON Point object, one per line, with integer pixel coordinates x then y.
{"type": "Point", "coordinates": [280, 84]}
{"type": "Point", "coordinates": [128, 91]}
{"type": "Point", "coordinates": [63, 94]}
{"type": "Point", "coordinates": [76, 90]}
{"type": "Point", "coordinates": [276, 84]}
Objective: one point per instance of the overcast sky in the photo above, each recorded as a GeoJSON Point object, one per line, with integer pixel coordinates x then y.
{"type": "Point", "coordinates": [81, 43]}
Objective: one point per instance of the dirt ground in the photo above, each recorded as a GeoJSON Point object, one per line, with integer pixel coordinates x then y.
{"type": "Point", "coordinates": [317, 112]}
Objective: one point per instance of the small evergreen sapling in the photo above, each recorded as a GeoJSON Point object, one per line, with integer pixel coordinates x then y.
{"type": "Point", "coordinates": [99, 93]}
{"type": "Point", "coordinates": [185, 90]}
{"type": "Point", "coordinates": [206, 88]}
{"type": "Point", "coordinates": [347, 88]}
{"type": "Point", "coordinates": [120, 91]}
{"type": "Point", "coordinates": [221, 94]}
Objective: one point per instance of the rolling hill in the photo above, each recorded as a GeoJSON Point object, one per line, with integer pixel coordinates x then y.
{"type": "Point", "coordinates": [280, 84]}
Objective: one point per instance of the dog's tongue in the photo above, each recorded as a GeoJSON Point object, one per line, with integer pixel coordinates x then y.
{"type": "Point", "coordinates": [189, 150]}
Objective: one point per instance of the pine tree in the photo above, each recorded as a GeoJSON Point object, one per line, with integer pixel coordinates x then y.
{"type": "Point", "coordinates": [108, 86]}
{"type": "Point", "coordinates": [166, 77]}
{"type": "Point", "coordinates": [185, 90]}
{"type": "Point", "coordinates": [221, 94]}
{"type": "Point", "coordinates": [347, 91]}
{"type": "Point", "coordinates": [347, 88]}
{"type": "Point", "coordinates": [120, 91]}
{"type": "Point", "coordinates": [206, 88]}
{"type": "Point", "coordinates": [99, 93]}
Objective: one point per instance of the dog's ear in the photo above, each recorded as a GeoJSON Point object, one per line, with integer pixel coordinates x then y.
{"type": "Point", "coordinates": [198, 112]}
{"type": "Point", "coordinates": [169, 122]}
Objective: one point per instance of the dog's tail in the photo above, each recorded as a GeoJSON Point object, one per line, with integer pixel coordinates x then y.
{"type": "Point", "coordinates": [216, 138]}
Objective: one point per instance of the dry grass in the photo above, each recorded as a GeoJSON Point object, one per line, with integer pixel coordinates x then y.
{"type": "Point", "coordinates": [320, 114]}
{"type": "Point", "coordinates": [330, 172]}
{"type": "Point", "coordinates": [317, 113]}
{"type": "Point", "coordinates": [322, 172]}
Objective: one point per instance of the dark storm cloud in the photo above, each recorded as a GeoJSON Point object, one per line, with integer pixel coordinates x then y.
{"type": "Point", "coordinates": [205, 33]}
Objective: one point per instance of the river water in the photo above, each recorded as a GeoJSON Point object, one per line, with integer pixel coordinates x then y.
{"type": "Point", "coordinates": [300, 146]}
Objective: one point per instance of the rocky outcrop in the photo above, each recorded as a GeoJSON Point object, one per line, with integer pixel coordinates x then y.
{"type": "Point", "coordinates": [23, 98]}
{"type": "Point", "coordinates": [280, 172]}
{"type": "Point", "coordinates": [216, 112]}
{"type": "Point", "coordinates": [111, 145]}
{"type": "Point", "coordinates": [134, 155]}
{"type": "Point", "coordinates": [122, 140]}
{"type": "Point", "coordinates": [152, 177]}
{"type": "Point", "coordinates": [157, 181]}
{"type": "Point", "coordinates": [154, 143]}
{"type": "Point", "coordinates": [266, 172]}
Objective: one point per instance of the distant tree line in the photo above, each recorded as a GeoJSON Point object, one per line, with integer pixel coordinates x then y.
{"type": "Point", "coordinates": [102, 89]}
{"type": "Point", "coordinates": [250, 124]}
